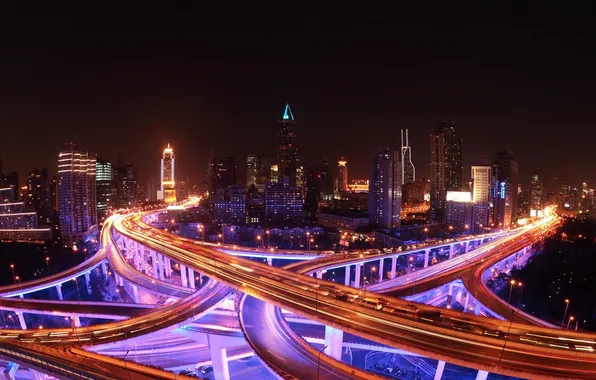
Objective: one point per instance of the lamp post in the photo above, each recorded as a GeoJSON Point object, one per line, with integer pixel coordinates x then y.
{"type": "Point", "coordinates": [569, 321]}
{"type": "Point", "coordinates": [308, 239]}
{"type": "Point", "coordinates": [13, 275]}
{"type": "Point", "coordinates": [260, 241]}
{"type": "Point", "coordinates": [319, 362]}
{"type": "Point", "coordinates": [219, 237]}
{"type": "Point", "coordinates": [511, 283]}
{"type": "Point", "coordinates": [565, 314]}
{"type": "Point", "coordinates": [77, 284]}
{"type": "Point", "coordinates": [233, 231]}
{"type": "Point", "coordinates": [48, 263]}
{"type": "Point", "coordinates": [267, 233]}
{"type": "Point", "coordinates": [311, 240]}
{"type": "Point", "coordinates": [521, 290]}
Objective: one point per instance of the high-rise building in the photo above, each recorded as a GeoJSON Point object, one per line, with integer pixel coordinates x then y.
{"type": "Point", "coordinates": [274, 173]}
{"type": "Point", "coordinates": [221, 172]}
{"type": "Point", "coordinates": [537, 190]}
{"type": "Point", "coordinates": [104, 183]}
{"type": "Point", "coordinates": [415, 192]}
{"type": "Point", "coordinates": [141, 196]}
{"type": "Point", "coordinates": [152, 189]}
{"type": "Point", "coordinates": [503, 204]}
{"type": "Point", "coordinates": [507, 170]}
{"type": "Point", "coordinates": [326, 181]}
{"type": "Point", "coordinates": [283, 203]}
{"type": "Point", "coordinates": [182, 189]}
{"type": "Point", "coordinates": [257, 171]}
{"type": "Point", "coordinates": [408, 171]}
{"type": "Point", "coordinates": [125, 180]}
{"type": "Point", "coordinates": [482, 183]}
{"type": "Point", "coordinates": [11, 180]}
{"type": "Point", "coordinates": [255, 206]}
{"type": "Point", "coordinates": [342, 178]}
{"type": "Point", "coordinates": [287, 154]}
{"type": "Point", "coordinates": [446, 167]}
{"type": "Point", "coordinates": [168, 183]}
{"type": "Point", "coordinates": [37, 192]}
{"type": "Point", "coordinates": [229, 205]}
{"type": "Point", "coordinates": [18, 224]}
{"type": "Point", "coordinates": [384, 197]}
{"type": "Point", "coordinates": [54, 194]}
{"type": "Point", "coordinates": [76, 193]}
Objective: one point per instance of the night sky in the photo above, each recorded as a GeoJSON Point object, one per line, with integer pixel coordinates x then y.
{"type": "Point", "coordinates": [124, 86]}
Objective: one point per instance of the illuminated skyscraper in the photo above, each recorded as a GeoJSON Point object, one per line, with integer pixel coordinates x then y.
{"type": "Point", "coordinates": [257, 171]}
{"type": "Point", "coordinates": [408, 172]}
{"type": "Point", "coordinates": [384, 196]}
{"type": "Point", "coordinates": [221, 173]}
{"type": "Point", "coordinates": [168, 184]}
{"type": "Point", "coordinates": [445, 166]}
{"type": "Point", "coordinates": [76, 193]}
{"type": "Point", "coordinates": [537, 190]}
{"type": "Point", "coordinates": [343, 175]}
{"type": "Point", "coordinates": [105, 187]}
{"type": "Point", "coordinates": [482, 179]}
{"type": "Point", "coordinates": [507, 170]}
{"type": "Point", "coordinates": [287, 154]}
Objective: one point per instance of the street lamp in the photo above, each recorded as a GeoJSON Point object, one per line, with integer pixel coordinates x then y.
{"type": "Point", "coordinates": [311, 240]}
{"type": "Point", "coordinates": [267, 233]}
{"type": "Point", "coordinates": [259, 241]}
{"type": "Point", "coordinates": [565, 314]}
{"type": "Point", "coordinates": [319, 362]}
{"type": "Point", "coordinates": [521, 290]}
{"type": "Point", "coordinates": [569, 321]}
{"type": "Point", "coordinates": [232, 231]}
{"type": "Point", "coordinates": [78, 291]}
{"type": "Point", "coordinates": [219, 237]}
{"type": "Point", "coordinates": [511, 283]}
{"type": "Point", "coordinates": [48, 263]}
{"type": "Point", "coordinates": [13, 275]}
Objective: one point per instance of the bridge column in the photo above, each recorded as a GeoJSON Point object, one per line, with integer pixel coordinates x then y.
{"type": "Point", "coordinates": [333, 341]}
{"type": "Point", "coordinates": [183, 275]}
{"type": "Point", "coordinates": [21, 320]}
{"type": "Point", "coordinates": [59, 291]}
{"type": "Point", "coordinates": [10, 371]}
{"type": "Point", "coordinates": [135, 293]}
{"type": "Point", "coordinates": [270, 261]}
{"type": "Point", "coordinates": [88, 282]}
{"type": "Point", "coordinates": [76, 320]}
{"type": "Point", "coordinates": [426, 254]}
{"type": "Point", "coordinates": [36, 375]}
{"type": "Point", "coordinates": [347, 275]}
{"type": "Point", "coordinates": [477, 308]}
{"type": "Point", "coordinates": [161, 268]}
{"type": "Point", "coordinates": [357, 276]}
{"type": "Point", "coordinates": [142, 256]}
{"type": "Point", "coordinates": [450, 295]}
{"type": "Point", "coordinates": [381, 269]}
{"type": "Point", "coordinates": [154, 262]}
{"type": "Point", "coordinates": [482, 375]}
{"type": "Point", "coordinates": [466, 301]}
{"type": "Point", "coordinates": [167, 266]}
{"type": "Point", "coordinates": [104, 269]}
{"type": "Point", "coordinates": [319, 274]}
{"type": "Point", "coordinates": [120, 281]}
{"type": "Point", "coordinates": [219, 357]}
{"type": "Point", "coordinates": [451, 248]}
{"type": "Point", "coordinates": [440, 369]}
{"type": "Point", "coordinates": [191, 278]}
{"type": "Point", "coordinates": [393, 266]}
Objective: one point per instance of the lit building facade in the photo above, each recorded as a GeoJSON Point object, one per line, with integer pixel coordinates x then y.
{"type": "Point", "coordinates": [125, 181]}
{"type": "Point", "coordinates": [283, 203]}
{"type": "Point", "coordinates": [229, 205]}
{"type": "Point", "coordinates": [408, 171]}
{"type": "Point", "coordinates": [287, 153]}
{"type": "Point", "coordinates": [342, 178]}
{"type": "Point", "coordinates": [38, 192]}
{"type": "Point", "coordinates": [482, 183]}
{"type": "Point", "coordinates": [221, 173]}
{"type": "Point", "coordinates": [503, 204]}
{"type": "Point", "coordinates": [507, 170]}
{"type": "Point", "coordinates": [359, 186]}
{"type": "Point", "coordinates": [384, 197]}
{"type": "Point", "coordinates": [18, 224]}
{"type": "Point", "coordinates": [257, 171]}
{"type": "Point", "coordinates": [104, 183]}
{"type": "Point", "coordinates": [446, 167]}
{"type": "Point", "coordinates": [536, 192]}
{"type": "Point", "coordinates": [76, 193]}
{"type": "Point", "coordinates": [168, 182]}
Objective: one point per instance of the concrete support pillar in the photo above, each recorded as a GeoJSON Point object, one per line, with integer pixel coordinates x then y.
{"type": "Point", "coordinates": [21, 296]}
{"type": "Point", "coordinates": [169, 266]}
{"type": "Point", "coordinates": [482, 375]}
{"type": "Point", "coordinates": [393, 266]}
{"type": "Point", "coordinates": [467, 247]}
{"type": "Point", "coordinates": [466, 301]}
{"type": "Point", "coordinates": [154, 262]}
{"type": "Point", "coordinates": [381, 269]}
{"type": "Point", "coordinates": [160, 267]}
{"type": "Point", "coordinates": [88, 282]}
{"type": "Point", "coordinates": [104, 269]}
{"type": "Point", "coordinates": [477, 308]}
{"type": "Point", "coordinates": [77, 320]}
{"type": "Point", "coordinates": [269, 260]}
{"type": "Point", "coordinates": [347, 275]}
{"type": "Point", "coordinates": [319, 274]}
{"type": "Point", "coordinates": [120, 281]}
{"type": "Point", "coordinates": [143, 262]}
{"type": "Point", "coordinates": [357, 276]}
{"type": "Point", "coordinates": [135, 293]}
{"type": "Point", "coordinates": [426, 254]}
{"type": "Point", "coordinates": [36, 375]}
{"type": "Point", "coordinates": [440, 369]}
{"type": "Point", "coordinates": [10, 371]}
{"type": "Point", "coordinates": [21, 320]}
{"type": "Point", "coordinates": [59, 291]}
{"type": "Point", "coordinates": [219, 359]}
{"type": "Point", "coordinates": [451, 248]}
{"type": "Point", "coordinates": [191, 279]}
{"type": "Point", "coordinates": [333, 341]}
{"type": "Point", "coordinates": [183, 275]}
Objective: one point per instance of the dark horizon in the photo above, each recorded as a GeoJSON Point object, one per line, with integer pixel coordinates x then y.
{"type": "Point", "coordinates": [353, 77]}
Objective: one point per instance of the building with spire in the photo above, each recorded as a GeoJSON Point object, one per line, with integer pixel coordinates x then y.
{"type": "Point", "coordinates": [168, 184]}
{"type": "Point", "coordinates": [408, 171]}
{"type": "Point", "coordinates": [287, 154]}
{"type": "Point", "coordinates": [342, 178]}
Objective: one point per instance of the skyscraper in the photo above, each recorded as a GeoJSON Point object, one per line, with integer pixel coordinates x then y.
{"type": "Point", "coordinates": [104, 183]}
{"type": "Point", "coordinates": [76, 193]}
{"type": "Point", "coordinates": [507, 170]}
{"type": "Point", "coordinates": [384, 196]}
{"type": "Point", "coordinates": [125, 179]}
{"type": "Point", "coordinates": [482, 179]}
{"type": "Point", "coordinates": [168, 184]}
{"type": "Point", "coordinates": [37, 192]}
{"type": "Point", "coordinates": [287, 154]}
{"type": "Point", "coordinates": [408, 172]}
{"type": "Point", "coordinates": [257, 171]}
{"type": "Point", "coordinates": [342, 179]}
{"type": "Point", "coordinates": [445, 166]}
{"type": "Point", "coordinates": [536, 192]}
{"type": "Point", "coordinates": [221, 173]}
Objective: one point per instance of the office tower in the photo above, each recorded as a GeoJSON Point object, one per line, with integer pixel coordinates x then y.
{"type": "Point", "coordinates": [445, 166]}
{"type": "Point", "coordinates": [503, 204]}
{"type": "Point", "coordinates": [507, 170]}
{"type": "Point", "coordinates": [152, 189]}
{"type": "Point", "coordinates": [76, 193]}
{"type": "Point", "coordinates": [16, 223]}
{"type": "Point", "coordinates": [537, 190]}
{"type": "Point", "coordinates": [274, 173]}
{"type": "Point", "coordinates": [54, 194]}
{"type": "Point", "coordinates": [182, 189]}
{"type": "Point", "coordinates": [257, 171]}
{"type": "Point", "coordinates": [326, 184]}
{"type": "Point", "coordinates": [221, 172]}
{"type": "Point", "coordinates": [229, 205]}
{"type": "Point", "coordinates": [283, 203]}
{"type": "Point", "coordinates": [342, 178]}
{"type": "Point", "coordinates": [37, 192]}
{"type": "Point", "coordinates": [255, 206]}
{"type": "Point", "coordinates": [12, 180]}
{"type": "Point", "coordinates": [482, 183]}
{"type": "Point", "coordinates": [125, 179]}
{"type": "Point", "coordinates": [384, 197]}
{"type": "Point", "coordinates": [167, 190]}
{"type": "Point", "coordinates": [415, 192]}
{"type": "Point", "coordinates": [141, 196]}
{"type": "Point", "coordinates": [104, 183]}
{"type": "Point", "coordinates": [408, 171]}
{"type": "Point", "coordinates": [287, 154]}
